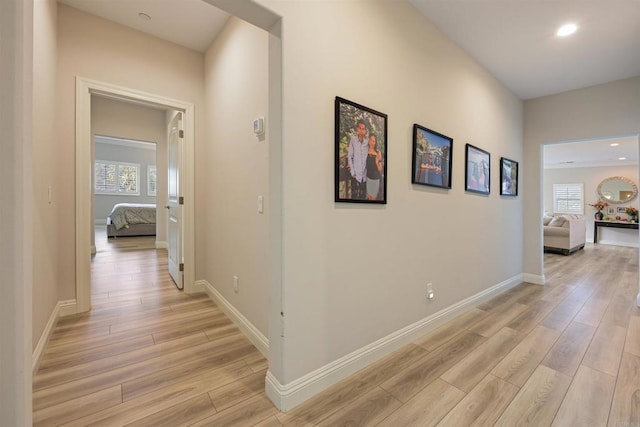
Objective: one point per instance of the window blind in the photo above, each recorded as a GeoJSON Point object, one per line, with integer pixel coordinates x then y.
{"type": "Point", "coordinates": [116, 178]}
{"type": "Point", "coordinates": [568, 198]}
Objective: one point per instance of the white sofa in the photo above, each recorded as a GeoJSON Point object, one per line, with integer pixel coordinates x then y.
{"type": "Point", "coordinates": [564, 233]}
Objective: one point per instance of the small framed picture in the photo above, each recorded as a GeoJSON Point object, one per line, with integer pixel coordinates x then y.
{"type": "Point", "coordinates": [432, 158]}
{"type": "Point", "coordinates": [361, 153]}
{"type": "Point", "coordinates": [477, 170]}
{"type": "Point", "coordinates": [508, 177]}
{"type": "Point", "coordinates": [611, 210]}
{"type": "Point", "coordinates": [620, 210]}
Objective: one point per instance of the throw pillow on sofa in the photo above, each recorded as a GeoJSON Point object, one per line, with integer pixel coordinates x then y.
{"type": "Point", "coordinates": [557, 221]}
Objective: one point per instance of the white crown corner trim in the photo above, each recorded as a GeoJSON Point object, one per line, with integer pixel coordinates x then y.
{"type": "Point", "coordinates": [289, 395]}
{"type": "Point", "coordinates": [536, 279]}
{"type": "Point", "coordinates": [249, 329]}
{"type": "Point", "coordinates": [61, 309]}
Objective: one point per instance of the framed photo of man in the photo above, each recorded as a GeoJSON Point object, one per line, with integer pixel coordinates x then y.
{"type": "Point", "coordinates": [432, 158]}
{"type": "Point", "coordinates": [477, 170]}
{"type": "Point", "coordinates": [361, 153]}
{"type": "Point", "coordinates": [508, 177]}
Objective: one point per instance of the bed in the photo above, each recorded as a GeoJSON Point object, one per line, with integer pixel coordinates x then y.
{"type": "Point", "coordinates": [132, 219]}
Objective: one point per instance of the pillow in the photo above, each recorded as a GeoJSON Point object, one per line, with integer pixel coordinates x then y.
{"type": "Point", "coordinates": [557, 221]}
{"type": "Point", "coordinates": [546, 220]}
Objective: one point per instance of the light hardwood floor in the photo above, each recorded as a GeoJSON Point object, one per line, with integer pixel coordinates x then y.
{"type": "Point", "coordinates": [566, 354]}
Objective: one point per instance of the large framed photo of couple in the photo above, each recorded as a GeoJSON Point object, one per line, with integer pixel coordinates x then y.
{"type": "Point", "coordinates": [432, 158]}
{"type": "Point", "coordinates": [508, 177]}
{"type": "Point", "coordinates": [477, 170]}
{"type": "Point", "coordinates": [361, 153]}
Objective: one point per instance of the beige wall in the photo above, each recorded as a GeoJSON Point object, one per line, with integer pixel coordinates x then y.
{"type": "Point", "coordinates": [611, 109]}
{"type": "Point", "coordinates": [126, 120]}
{"type": "Point", "coordinates": [591, 178]}
{"type": "Point", "coordinates": [46, 271]}
{"type": "Point", "coordinates": [235, 169]}
{"type": "Point", "coordinates": [97, 49]}
{"type": "Point", "coordinates": [353, 274]}
{"type": "Point", "coordinates": [16, 225]}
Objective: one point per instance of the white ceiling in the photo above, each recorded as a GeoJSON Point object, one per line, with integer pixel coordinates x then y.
{"type": "Point", "coordinates": [189, 23]}
{"type": "Point", "coordinates": [515, 40]}
{"type": "Point", "coordinates": [591, 153]}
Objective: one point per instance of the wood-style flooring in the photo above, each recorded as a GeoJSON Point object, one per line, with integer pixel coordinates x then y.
{"type": "Point", "coordinates": [564, 354]}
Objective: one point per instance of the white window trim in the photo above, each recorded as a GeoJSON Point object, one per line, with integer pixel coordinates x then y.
{"type": "Point", "coordinates": [117, 193]}
{"type": "Point", "coordinates": [151, 192]}
{"type": "Point", "coordinates": [578, 211]}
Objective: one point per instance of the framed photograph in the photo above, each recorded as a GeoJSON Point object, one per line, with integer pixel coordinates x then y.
{"type": "Point", "coordinates": [477, 170]}
{"type": "Point", "coordinates": [508, 177]}
{"type": "Point", "coordinates": [621, 210]}
{"type": "Point", "coordinates": [611, 210]}
{"type": "Point", "coordinates": [432, 156]}
{"type": "Point", "coordinates": [361, 153]}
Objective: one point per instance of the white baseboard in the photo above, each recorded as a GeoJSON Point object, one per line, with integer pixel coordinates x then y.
{"type": "Point", "coordinates": [162, 244]}
{"type": "Point", "coordinates": [617, 243]}
{"type": "Point", "coordinates": [287, 396]}
{"type": "Point", "coordinates": [61, 309]}
{"type": "Point", "coordinates": [536, 279]}
{"type": "Point", "coordinates": [256, 337]}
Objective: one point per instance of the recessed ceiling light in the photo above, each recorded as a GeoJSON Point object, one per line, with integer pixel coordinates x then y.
{"type": "Point", "coordinates": [622, 158]}
{"type": "Point", "coordinates": [144, 16]}
{"type": "Point", "coordinates": [615, 144]}
{"type": "Point", "coordinates": [566, 30]}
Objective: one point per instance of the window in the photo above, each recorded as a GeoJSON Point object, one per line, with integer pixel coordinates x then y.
{"type": "Point", "coordinates": [568, 198]}
{"type": "Point", "coordinates": [151, 180]}
{"type": "Point", "coordinates": [117, 178]}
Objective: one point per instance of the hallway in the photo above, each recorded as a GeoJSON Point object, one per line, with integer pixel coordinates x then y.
{"type": "Point", "coordinates": [146, 352]}
{"type": "Point", "coordinates": [564, 354]}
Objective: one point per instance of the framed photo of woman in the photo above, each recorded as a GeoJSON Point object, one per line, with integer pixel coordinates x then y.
{"type": "Point", "coordinates": [477, 170]}
{"type": "Point", "coordinates": [361, 153]}
{"type": "Point", "coordinates": [508, 177]}
{"type": "Point", "coordinates": [432, 158]}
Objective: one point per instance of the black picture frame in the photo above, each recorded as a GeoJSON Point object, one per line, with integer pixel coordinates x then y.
{"type": "Point", "coordinates": [351, 153]}
{"type": "Point", "coordinates": [508, 177]}
{"type": "Point", "coordinates": [477, 170]}
{"type": "Point", "coordinates": [432, 158]}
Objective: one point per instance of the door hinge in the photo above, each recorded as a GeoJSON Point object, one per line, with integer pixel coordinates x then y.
{"type": "Point", "coordinates": [181, 200]}
{"type": "Point", "coordinates": [180, 133]}
{"type": "Point", "coordinates": [181, 267]}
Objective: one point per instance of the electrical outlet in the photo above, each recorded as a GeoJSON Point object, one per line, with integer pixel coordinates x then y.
{"type": "Point", "coordinates": [430, 294]}
{"type": "Point", "coordinates": [236, 281]}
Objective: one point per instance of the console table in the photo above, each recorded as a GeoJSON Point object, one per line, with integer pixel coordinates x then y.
{"type": "Point", "coordinates": [612, 224]}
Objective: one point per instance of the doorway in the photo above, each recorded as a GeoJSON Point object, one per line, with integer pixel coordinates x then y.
{"type": "Point", "coordinates": [85, 89]}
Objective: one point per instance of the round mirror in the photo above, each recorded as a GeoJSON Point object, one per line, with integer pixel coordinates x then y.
{"type": "Point", "coordinates": [617, 190]}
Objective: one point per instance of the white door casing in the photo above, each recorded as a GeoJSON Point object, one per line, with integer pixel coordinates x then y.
{"type": "Point", "coordinates": [174, 208]}
{"type": "Point", "coordinates": [85, 88]}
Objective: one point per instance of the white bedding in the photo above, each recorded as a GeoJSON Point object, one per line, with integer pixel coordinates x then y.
{"type": "Point", "coordinates": [124, 214]}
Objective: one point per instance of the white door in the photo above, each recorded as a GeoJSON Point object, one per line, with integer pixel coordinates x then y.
{"type": "Point", "coordinates": [174, 206]}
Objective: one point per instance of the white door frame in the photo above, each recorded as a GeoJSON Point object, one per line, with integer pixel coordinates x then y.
{"type": "Point", "coordinates": [84, 89]}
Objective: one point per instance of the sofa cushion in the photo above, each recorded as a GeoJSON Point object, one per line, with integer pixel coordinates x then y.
{"type": "Point", "coordinates": [550, 231]}
{"type": "Point", "coordinates": [557, 221]}
{"type": "Point", "coordinates": [546, 220]}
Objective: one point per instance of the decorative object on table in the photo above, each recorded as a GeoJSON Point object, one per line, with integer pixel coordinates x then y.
{"type": "Point", "coordinates": [508, 177]}
{"type": "Point", "coordinates": [599, 206]}
{"type": "Point", "coordinates": [611, 210]}
{"type": "Point", "coordinates": [477, 170]}
{"type": "Point", "coordinates": [633, 213]}
{"type": "Point", "coordinates": [621, 209]}
{"type": "Point", "coordinates": [432, 157]}
{"type": "Point", "coordinates": [360, 153]}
